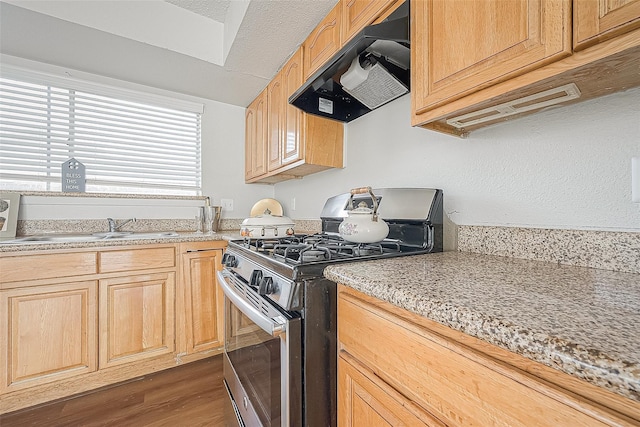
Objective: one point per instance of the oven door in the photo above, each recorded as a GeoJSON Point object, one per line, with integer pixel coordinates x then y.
{"type": "Point", "coordinates": [262, 366]}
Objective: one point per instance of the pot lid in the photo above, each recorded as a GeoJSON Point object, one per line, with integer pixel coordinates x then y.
{"type": "Point", "coordinates": [262, 205]}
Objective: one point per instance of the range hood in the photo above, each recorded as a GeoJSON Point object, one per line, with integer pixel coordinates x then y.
{"type": "Point", "coordinates": [369, 71]}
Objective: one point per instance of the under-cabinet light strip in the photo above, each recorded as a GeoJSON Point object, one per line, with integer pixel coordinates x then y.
{"type": "Point", "coordinates": [517, 106]}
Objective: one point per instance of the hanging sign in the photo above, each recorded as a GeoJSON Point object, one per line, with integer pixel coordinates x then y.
{"type": "Point", "coordinates": [73, 176]}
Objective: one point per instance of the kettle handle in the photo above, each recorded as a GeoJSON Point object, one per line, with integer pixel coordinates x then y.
{"type": "Point", "coordinates": [361, 190]}
{"type": "Point", "coordinates": [364, 190]}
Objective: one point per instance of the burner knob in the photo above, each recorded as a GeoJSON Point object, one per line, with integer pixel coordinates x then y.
{"type": "Point", "coordinates": [266, 286]}
{"type": "Point", "coordinates": [229, 260]}
{"type": "Point", "coordinates": [256, 278]}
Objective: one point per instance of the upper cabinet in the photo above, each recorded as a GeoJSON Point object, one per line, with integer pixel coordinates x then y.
{"type": "Point", "coordinates": [357, 14]}
{"type": "Point", "coordinates": [256, 137]}
{"type": "Point", "coordinates": [275, 116]}
{"type": "Point", "coordinates": [506, 59]}
{"type": "Point", "coordinates": [344, 21]}
{"type": "Point", "coordinates": [323, 42]}
{"type": "Point", "coordinates": [293, 129]}
{"type": "Point", "coordinates": [296, 144]}
{"type": "Point", "coordinates": [598, 20]}
{"type": "Point", "coordinates": [493, 40]}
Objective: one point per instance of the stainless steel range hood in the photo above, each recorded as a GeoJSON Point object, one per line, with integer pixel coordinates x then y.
{"type": "Point", "coordinates": [369, 71]}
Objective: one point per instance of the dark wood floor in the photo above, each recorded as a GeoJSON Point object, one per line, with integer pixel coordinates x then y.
{"type": "Point", "coordinates": [190, 395]}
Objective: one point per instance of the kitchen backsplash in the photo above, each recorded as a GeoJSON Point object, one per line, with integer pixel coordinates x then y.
{"type": "Point", "coordinates": [608, 250]}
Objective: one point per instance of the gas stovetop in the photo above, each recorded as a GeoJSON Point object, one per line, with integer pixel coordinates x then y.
{"type": "Point", "coordinates": [322, 247]}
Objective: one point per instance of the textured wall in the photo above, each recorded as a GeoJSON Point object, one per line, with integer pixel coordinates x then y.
{"type": "Point", "coordinates": [568, 167]}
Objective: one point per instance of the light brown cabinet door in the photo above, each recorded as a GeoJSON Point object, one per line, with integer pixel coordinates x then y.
{"type": "Point", "coordinates": [48, 334]}
{"type": "Point", "coordinates": [256, 137]}
{"type": "Point", "coordinates": [323, 42]}
{"type": "Point", "coordinates": [598, 20]}
{"type": "Point", "coordinates": [357, 14]}
{"type": "Point", "coordinates": [459, 46]}
{"type": "Point", "coordinates": [364, 400]}
{"type": "Point", "coordinates": [275, 102]}
{"type": "Point", "coordinates": [458, 385]}
{"type": "Point", "coordinates": [204, 300]}
{"type": "Point", "coordinates": [292, 147]}
{"type": "Point", "coordinates": [137, 317]}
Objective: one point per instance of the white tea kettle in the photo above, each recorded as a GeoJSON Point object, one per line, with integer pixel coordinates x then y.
{"type": "Point", "coordinates": [363, 225]}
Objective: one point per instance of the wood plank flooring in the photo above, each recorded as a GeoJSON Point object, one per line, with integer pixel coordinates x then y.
{"type": "Point", "coordinates": [190, 395]}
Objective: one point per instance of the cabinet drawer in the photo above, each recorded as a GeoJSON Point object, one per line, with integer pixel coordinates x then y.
{"type": "Point", "coordinates": [23, 267]}
{"type": "Point", "coordinates": [137, 259]}
{"type": "Point", "coordinates": [459, 386]}
{"type": "Point", "coordinates": [367, 401]}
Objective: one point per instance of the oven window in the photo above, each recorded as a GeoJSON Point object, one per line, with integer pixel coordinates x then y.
{"type": "Point", "coordinates": [255, 356]}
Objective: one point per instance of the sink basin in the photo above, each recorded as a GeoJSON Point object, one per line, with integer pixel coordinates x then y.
{"type": "Point", "coordinates": [71, 237]}
{"type": "Point", "coordinates": [151, 235]}
{"type": "Point", "coordinates": [55, 238]}
{"type": "Point", "coordinates": [112, 234]}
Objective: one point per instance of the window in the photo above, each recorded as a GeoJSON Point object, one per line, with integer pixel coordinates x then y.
{"type": "Point", "coordinates": [126, 144]}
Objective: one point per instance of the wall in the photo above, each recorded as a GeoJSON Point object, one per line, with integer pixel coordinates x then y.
{"type": "Point", "coordinates": [222, 164]}
{"type": "Point", "coordinates": [567, 167]}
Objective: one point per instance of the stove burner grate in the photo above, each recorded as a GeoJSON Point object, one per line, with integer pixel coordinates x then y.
{"type": "Point", "coordinates": [300, 249]}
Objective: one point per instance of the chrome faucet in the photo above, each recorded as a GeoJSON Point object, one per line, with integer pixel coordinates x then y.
{"type": "Point", "coordinates": [113, 227]}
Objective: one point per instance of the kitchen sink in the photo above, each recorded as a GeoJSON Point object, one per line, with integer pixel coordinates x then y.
{"type": "Point", "coordinates": [150, 235]}
{"type": "Point", "coordinates": [77, 237]}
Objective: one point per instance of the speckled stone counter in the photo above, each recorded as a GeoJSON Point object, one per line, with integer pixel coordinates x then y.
{"type": "Point", "coordinates": [182, 237]}
{"type": "Point", "coordinates": [582, 321]}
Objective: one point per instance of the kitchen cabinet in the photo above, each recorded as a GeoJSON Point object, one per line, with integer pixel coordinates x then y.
{"type": "Point", "coordinates": [275, 122]}
{"type": "Point", "coordinates": [86, 318]}
{"type": "Point", "coordinates": [493, 41]}
{"type": "Point", "coordinates": [509, 59]}
{"type": "Point", "coordinates": [256, 137]}
{"type": "Point", "coordinates": [48, 333]}
{"type": "Point", "coordinates": [203, 298]}
{"type": "Point", "coordinates": [136, 318]}
{"type": "Point", "coordinates": [298, 144]}
{"type": "Point", "coordinates": [366, 400]}
{"type": "Point", "coordinates": [402, 365]}
{"type": "Point", "coordinates": [598, 20]}
{"type": "Point", "coordinates": [323, 42]}
{"type": "Point", "coordinates": [290, 147]}
{"type": "Point", "coordinates": [357, 14]}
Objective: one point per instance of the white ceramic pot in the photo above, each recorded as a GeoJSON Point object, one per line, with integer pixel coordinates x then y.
{"type": "Point", "coordinates": [362, 224]}
{"type": "Point", "coordinates": [267, 226]}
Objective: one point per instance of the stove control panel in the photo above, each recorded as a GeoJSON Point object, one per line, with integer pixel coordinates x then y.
{"type": "Point", "coordinates": [262, 280]}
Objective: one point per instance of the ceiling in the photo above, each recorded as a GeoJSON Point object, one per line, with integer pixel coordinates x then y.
{"type": "Point", "coordinates": [225, 50]}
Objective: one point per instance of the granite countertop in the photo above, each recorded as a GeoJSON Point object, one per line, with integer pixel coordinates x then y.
{"type": "Point", "coordinates": [582, 321]}
{"type": "Point", "coordinates": [182, 237]}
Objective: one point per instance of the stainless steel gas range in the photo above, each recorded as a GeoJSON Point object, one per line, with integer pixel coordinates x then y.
{"type": "Point", "coordinates": [280, 312]}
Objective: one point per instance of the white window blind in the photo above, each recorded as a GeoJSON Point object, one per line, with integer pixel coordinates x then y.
{"type": "Point", "coordinates": [126, 146]}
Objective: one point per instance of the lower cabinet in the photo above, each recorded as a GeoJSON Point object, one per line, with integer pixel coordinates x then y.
{"type": "Point", "coordinates": [365, 400]}
{"type": "Point", "coordinates": [396, 368]}
{"type": "Point", "coordinates": [48, 334]}
{"type": "Point", "coordinates": [76, 320]}
{"type": "Point", "coordinates": [203, 298]}
{"type": "Point", "coordinates": [136, 318]}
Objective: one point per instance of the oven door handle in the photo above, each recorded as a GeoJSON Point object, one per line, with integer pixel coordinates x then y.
{"type": "Point", "coordinates": [273, 326]}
